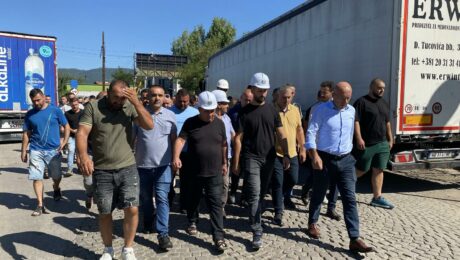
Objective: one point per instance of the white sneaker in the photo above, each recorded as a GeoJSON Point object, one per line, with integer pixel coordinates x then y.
{"type": "Point", "coordinates": [128, 254]}
{"type": "Point", "coordinates": [107, 254]}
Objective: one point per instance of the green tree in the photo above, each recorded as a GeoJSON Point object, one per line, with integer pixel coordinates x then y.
{"type": "Point", "coordinates": [63, 80]}
{"type": "Point", "coordinates": [123, 75]}
{"type": "Point", "coordinates": [198, 46]}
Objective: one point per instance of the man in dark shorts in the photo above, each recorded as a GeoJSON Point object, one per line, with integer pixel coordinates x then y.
{"type": "Point", "coordinates": [108, 124]}
{"type": "Point", "coordinates": [207, 149]}
{"type": "Point", "coordinates": [259, 122]}
{"type": "Point", "coordinates": [373, 138]}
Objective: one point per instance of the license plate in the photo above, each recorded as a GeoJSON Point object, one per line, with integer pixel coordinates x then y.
{"type": "Point", "coordinates": [439, 155]}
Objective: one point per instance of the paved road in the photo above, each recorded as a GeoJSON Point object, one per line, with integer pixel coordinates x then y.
{"type": "Point", "coordinates": [424, 225]}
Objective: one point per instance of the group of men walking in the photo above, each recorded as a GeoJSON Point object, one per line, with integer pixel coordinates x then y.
{"type": "Point", "coordinates": [263, 142]}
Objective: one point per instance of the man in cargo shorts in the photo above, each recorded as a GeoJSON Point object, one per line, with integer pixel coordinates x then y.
{"type": "Point", "coordinates": [41, 130]}
{"type": "Point", "coordinates": [373, 138]}
{"type": "Point", "coordinates": [108, 123]}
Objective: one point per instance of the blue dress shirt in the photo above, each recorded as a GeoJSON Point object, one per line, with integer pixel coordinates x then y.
{"type": "Point", "coordinates": [331, 130]}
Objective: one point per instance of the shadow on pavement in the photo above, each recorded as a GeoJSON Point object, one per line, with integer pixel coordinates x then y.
{"type": "Point", "coordinates": [68, 204]}
{"type": "Point", "coordinates": [394, 183]}
{"type": "Point", "coordinates": [14, 170]}
{"type": "Point", "coordinates": [43, 242]}
{"type": "Point", "coordinates": [17, 201]}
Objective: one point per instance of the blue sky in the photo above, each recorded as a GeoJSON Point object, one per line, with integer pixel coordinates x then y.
{"type": "Point", "coordinates": [129, 26]}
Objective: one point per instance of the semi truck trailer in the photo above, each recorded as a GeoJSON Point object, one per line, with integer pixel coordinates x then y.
{"type": "Point", "coordinates": [26, 61]}
{"type": "Point", "coordinates": [413, 45]}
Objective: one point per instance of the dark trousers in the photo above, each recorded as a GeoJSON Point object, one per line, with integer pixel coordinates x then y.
{"type": "Point", "coordinates": [283, 182]}
{"type": "Point", "coordinates": [213, 188]}
{"type": "Point", "coordinates": [257, 175]}
{"type": "Point", "coordinates": [333, 194]}
{"type": "Point", "coordinates": [184, 180]}
{"type": "Point", "coordinates": [341, 172]}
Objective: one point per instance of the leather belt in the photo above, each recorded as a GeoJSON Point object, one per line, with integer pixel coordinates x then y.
{"type": "Point", "coordinates": [332, 156]}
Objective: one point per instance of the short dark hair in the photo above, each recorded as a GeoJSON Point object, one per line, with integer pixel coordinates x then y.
{"type": "Point", "coordinates": [327, 84]}
{"type": "Point", "coordinates": [34, 92]}
{"type": "Point", "coordinates": [375, 81]}
{"type": "Point", "coordinates": [182, 93]}
{"type": "Point", "coordinates": [117, 81]}
{"type": "Point", "coordinates": [73, 100]}
{"type": "Point", "coordinates": [48, 96]}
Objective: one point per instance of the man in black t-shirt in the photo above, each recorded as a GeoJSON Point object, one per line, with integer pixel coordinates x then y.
{"type": "Point", "coordinates": [255, 143]}
{"type": "Point", "coordinates": [373, 138]}
{"type": "Point", "coordinates": [73, 117]}
{"type": "Point", "coordinates": [207, 149]}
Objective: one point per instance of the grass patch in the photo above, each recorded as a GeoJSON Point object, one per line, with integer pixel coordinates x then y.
{"type": "Point", "coordinates": [88, 87]}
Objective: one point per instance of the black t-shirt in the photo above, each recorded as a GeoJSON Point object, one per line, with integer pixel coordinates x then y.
{"type": "Point", "coordinates": [372, 114]}
{"type": "Point", "coordinates": [204, 141]}
{"type": "Point", "coordinates": [73, 119]}
{"type": "Point", "coordinates": [258, 124]}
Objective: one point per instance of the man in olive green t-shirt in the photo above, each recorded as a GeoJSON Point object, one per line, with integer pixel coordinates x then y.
{"type": "Point", "coordinates": [107, 123]}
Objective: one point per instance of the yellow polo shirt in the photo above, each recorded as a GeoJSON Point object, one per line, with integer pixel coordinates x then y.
{"type": "Point", "coordinates": [291, 120]}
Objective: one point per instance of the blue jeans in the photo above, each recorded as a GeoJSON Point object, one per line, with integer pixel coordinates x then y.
{"type": "Point", "coordinates": [283, 182]}
{"type": "Point", "coordinates": [341, 172]}
{"type": "Point", "coordinates": [158, 180]}
{"type": "Point", "coordinates": [333, 194]}
{"type": "Point", "coordinates": [257, 175]}
{"type": "Point", "coordinates": [71, 154]}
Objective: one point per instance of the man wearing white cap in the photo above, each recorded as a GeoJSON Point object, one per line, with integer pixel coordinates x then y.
{"type": "Point", "coordinates": [207, 149]}
{"type": "Point", "coordinates": [222, 84]}
{"type": "Point", "coordinates": [258, 123]}
{"type": "Point", "coordinates": [221, 113]}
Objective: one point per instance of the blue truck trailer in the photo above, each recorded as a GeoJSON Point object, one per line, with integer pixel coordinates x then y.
{"type": "Point", "coordinates": [26, 61]}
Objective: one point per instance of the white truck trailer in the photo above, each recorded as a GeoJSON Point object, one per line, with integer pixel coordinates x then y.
{"type": "Point", "coordinates": [413, 45]}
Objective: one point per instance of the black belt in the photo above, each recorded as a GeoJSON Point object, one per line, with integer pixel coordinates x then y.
{"type": "Point", "coordinates": [332, 157]}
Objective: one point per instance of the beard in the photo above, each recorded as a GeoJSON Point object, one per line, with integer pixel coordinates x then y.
{"type": "Point", "coordinates": [259, 100]}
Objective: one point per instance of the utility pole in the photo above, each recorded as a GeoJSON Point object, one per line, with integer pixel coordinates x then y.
{"type": "Point", "coordinates": [103, 62]}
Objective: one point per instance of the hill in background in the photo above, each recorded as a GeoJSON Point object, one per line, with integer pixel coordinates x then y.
{"type": "Point", "coordinates": [90, 76]}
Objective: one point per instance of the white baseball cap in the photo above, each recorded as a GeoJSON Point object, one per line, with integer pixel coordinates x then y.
{"type": "Point", "coordinates": [221, 96]}
{"type": "Point", "coordinates": [222, 84]}
{"type": "Point", "coordinates": [260, 80]}
{"type": "Point", "coordinates": [207, 100]}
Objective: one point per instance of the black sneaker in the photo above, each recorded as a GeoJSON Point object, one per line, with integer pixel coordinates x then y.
{"type": "Point", "coordinates": [278, 219]}
{"type": "Point", "coordinates": [164, 242]}
{"type": "Point", "coordinates": [57, 194]}
{"type": "Point", "coordinates": [88, 202]}
{"type": "Point", "coordinates": [221, 246]}
{"type": "Point", "coordinates": [256, 241]}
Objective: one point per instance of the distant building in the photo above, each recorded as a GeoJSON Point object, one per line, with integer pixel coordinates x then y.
{"type": "Point", "coordinates": [158, 69]}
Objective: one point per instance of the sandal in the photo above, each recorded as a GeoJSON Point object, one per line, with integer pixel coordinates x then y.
{"type": "Point", "coordinates": [191, 230]}
{"type": "Point", "coordinates": [38, 211]}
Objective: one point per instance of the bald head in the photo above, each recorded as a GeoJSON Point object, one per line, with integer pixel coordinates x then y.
{"type": "Point", "coordinates": [246, 97]}
{"type": "Point", "coordinates": [342, 94]}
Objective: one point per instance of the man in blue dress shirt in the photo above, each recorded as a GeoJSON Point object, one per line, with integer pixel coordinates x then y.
{"type": "Point", "coordinates": [329, 143]}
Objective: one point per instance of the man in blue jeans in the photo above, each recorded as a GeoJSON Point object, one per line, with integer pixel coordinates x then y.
{"type": "Point", "coordinates": [41, 129]}
{"type": "Point", "coordinates": [329, 143]}
{"type": "Point", "coordinates": [283, 181]}
{"type": "Point", "coordinates": [153, 159]}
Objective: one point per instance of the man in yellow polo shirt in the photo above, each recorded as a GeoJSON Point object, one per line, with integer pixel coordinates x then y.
{"type": "Point", "coordinates": [283, 181]}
